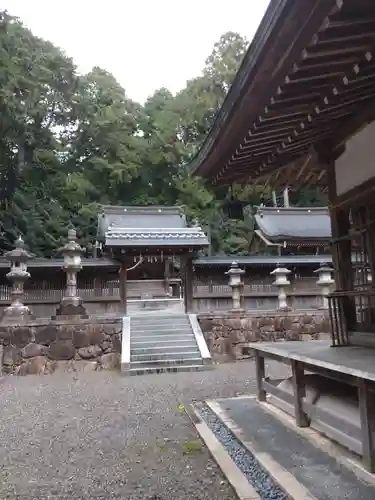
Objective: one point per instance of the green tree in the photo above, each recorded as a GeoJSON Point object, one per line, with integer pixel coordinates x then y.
{"type": "Point", "coordinates": [69, 143]}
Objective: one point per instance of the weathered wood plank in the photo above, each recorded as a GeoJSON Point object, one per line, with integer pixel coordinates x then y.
{"type": "Point", "coordinates": [260, 375]}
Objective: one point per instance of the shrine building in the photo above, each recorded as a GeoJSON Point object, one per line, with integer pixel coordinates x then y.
{"type": "Point", "coordinates": [301, 112]}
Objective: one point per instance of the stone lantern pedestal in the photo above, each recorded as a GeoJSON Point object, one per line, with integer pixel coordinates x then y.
{"type": "Point", "coordinates": [235, 274]}
{"type": "Point", "coordinates": [324, 281]}
{"type": "Point", "coordinates": [281, 282]}
{"type": "Point", "coordinates": [71, 305]}
{"type": "Point", "coordinates": [17, 312]}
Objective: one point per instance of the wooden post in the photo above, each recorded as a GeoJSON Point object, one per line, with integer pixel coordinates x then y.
{"type": "Point", "coordinates": [167, 264]}
{"type": "Point", "coordinates": [123, 297]}
{"type": "Point", "coordinates": [367, 414]}
{"type": "Point", "coordinates": [188, 283]}
{"type": "Point", "coordinates": [299, 392]}
{"type": "Point", "coordinates": [260, 375]}
{"type": "Point", "coordinates": [342, 250]}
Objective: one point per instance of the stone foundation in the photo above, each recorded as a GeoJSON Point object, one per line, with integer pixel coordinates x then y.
{"type": "Point", "coordinates": [43, 347]}
{"type": "Point", "coordinates": [228, 336]}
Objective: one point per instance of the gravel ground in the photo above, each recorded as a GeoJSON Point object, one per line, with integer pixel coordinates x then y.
{"type": "Point", "coordinates": [102, 436]}
{"type": "Point", "coordinates": [245, 461]}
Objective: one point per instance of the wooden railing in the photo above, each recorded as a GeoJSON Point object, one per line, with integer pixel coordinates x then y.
{"type": "Point", "coordinates": [211, 289]}
{"type": "Point", "coordinates": [156, 288]}
{"type": "Point", "coordinates": [207, 296]}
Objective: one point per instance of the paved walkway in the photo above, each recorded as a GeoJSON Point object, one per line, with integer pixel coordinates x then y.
{"type": "Point", "coordinates": [102, 436]}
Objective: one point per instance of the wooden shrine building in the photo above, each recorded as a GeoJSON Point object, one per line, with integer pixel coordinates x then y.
{"type": "Point", "coordinates": [294, 230]}
{"type": "Point", "coordinates": [152, 237]}
{"type": "Point", "coordinates": [301, 111]}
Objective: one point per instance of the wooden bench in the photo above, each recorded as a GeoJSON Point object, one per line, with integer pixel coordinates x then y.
{"type": "Point", "coordinates": [350, 365]}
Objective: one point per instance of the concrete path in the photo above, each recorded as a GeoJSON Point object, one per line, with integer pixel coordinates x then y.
{"type": "Point", "coordinates": [102, 436]}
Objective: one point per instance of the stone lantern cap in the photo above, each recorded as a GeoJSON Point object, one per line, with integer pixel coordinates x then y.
{"type": "Point", "coordinates": [280, 270]}
{"type": "Point", "coordinates": [72, 247]}
{"type": "Point", "coordinates": [235, 269]}
{"type": "Point", "coordinates": [324, 268]}
{"type": "Point", "coordinates": [280, 274]}
{"type": "Point", "coordinates": [324, 275]}
{"type": "Point", "coordinates": [19, 253]}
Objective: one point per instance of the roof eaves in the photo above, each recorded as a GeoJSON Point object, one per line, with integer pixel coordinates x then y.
{"type": "Point", "coordinates": [250, 61]}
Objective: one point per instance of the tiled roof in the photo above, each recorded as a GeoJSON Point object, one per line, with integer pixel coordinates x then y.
{"type": "Point", "coordinates": [263, 260]}
{"type": "Point", "coordinates": [147, 226]}
{"type": "Point", "coordinates": [294, 223]}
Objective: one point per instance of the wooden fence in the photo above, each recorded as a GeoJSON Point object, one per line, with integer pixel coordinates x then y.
{"type": "Point", "coordinates": [101, 295]}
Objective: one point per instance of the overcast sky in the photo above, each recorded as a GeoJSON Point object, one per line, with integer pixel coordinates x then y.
{"type": "Point", "coordinates": [145, 44]}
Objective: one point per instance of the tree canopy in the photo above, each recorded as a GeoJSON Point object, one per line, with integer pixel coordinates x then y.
{"type": "Point", "coordinates": [71, 142]}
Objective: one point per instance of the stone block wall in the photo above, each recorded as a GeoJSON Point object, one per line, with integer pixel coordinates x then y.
{"type": "Point", "coordinates": [42, 347]}
{"type": "Point", "coordinates": [228, 336]}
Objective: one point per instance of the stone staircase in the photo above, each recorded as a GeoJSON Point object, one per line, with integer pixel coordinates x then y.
{"type": "Point", "coordinates": [166, 343]}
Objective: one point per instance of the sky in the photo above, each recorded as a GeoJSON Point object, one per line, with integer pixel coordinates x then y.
{"type": "Point", "coordinates": [145, 44]}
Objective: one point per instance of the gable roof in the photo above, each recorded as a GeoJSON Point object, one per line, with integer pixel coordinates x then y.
{"type": "Point", "coordinates": [280, 224]}
{"type": "Point", "coordinates": [147, 226]}
{"type": "Point", "coordinates": [307, 79]}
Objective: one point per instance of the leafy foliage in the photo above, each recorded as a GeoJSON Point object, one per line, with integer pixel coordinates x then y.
{"type": "Point", "coordinates": [71, 142]}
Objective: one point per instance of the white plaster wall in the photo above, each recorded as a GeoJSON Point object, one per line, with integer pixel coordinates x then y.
{"type": "Point", "coordinates": [357, 164]}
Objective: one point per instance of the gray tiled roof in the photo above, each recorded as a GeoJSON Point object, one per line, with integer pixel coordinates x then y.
{"type": "Point", "coordinates": [263, 260]}
{"type": "Point", "coordinates": [147, 227]}
{"type": "Point", "coordinates": [59, 263]}
{"type": "Point", "coordinates": [294, 223]}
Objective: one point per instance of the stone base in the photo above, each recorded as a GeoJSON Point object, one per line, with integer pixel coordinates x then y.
{"type": "Point", "coordinates": [16, 315]}
{"type": "Point", "coordinates": [67, 310]}
{"type": "Point", "coordinates": [284, 309]}
{"type": "Point", "coordinates": [235, 312]}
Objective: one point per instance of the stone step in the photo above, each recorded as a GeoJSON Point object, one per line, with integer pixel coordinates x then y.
{"type": "Point", "coordinates": [166, 321]}
{"type": "Point", "coordinates": [159, 315]}
{"type": "Point", "coordinates": [155, 336]}
{"type": "Point", "coordinates": [152, 324]}
{"type": "Point", "coordinates": [162, 331]}
{"type": "Point", "coordinates": [162, 344]}
{"type": "Point", "coordinates": [168, 369]}
{"type": "Point", "coordinates": [163, 362]}
{"type": "Point", "coordinates": [157, 357]}
{"type": "Point", "coordinates": [164, 348]}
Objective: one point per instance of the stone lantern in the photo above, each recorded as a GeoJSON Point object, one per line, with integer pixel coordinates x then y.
{"type": "Point", "coordinates": [235, 274]}
{"type": "Point", "coordinates": [71, 304]}
{"type": "Point", "coordinates": [324, 281]}
{"type": "Point", "coordinates": [281, 282]}
{"type": "Point", "coordinates": [17, 312]}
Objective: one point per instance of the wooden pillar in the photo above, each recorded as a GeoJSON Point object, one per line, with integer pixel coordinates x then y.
{"type": "Point", "coordinates": [299, 392]}
{"type": "Point", "coordinates": [188, 283]}
{"type": "Point", "coordinates": [367, 414]}
{"type": "Point", "coordinates": [167, 272]}
{"type": "Point", "coordinates": [341, 249]}
{"type": "Point", "coordinates": [260, 375]}
{"type": "Point", "coordinates": [123, 298]}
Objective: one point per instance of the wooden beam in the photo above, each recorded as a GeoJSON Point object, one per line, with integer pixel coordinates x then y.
{"type": "Point", "coordinates": [334, 48]}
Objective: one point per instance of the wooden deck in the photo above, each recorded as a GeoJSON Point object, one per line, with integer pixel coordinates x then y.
{"type": "Point", "coordinates": [345, 376]}
{"type": "Point", "coordinates": [348, 360]}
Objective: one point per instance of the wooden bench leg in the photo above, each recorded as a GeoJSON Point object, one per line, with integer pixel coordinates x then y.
{"type": "Point", "coordinates": [260, 374]}
{"type": "Point", "coordinates": [367, 414]}
{"type": "Point", "coordinates": [299, 393]}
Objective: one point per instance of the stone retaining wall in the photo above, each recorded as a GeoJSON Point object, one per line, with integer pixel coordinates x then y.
{"type": "Point", "coordinates": [228, 336]}
{"type": "Point", "coordinates": [43, 347]}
